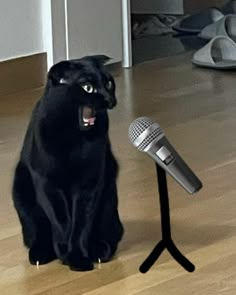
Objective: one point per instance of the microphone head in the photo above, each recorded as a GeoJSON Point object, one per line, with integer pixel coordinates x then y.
{"type": "Point", "coordinates": [144, 131]}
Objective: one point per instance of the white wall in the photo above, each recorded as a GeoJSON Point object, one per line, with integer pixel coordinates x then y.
{"type": "Point", "coordinates": [21, 30]}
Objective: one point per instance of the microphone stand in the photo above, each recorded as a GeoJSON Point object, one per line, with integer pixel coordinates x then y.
{"type": "Point", "coordinates": [166, 242]}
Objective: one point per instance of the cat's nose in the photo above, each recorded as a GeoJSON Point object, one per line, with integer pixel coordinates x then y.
{"type": "Point", "coordinates": [111, 101]}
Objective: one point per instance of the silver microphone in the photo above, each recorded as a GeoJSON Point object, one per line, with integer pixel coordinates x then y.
{"type": "Point", "coordinates": [147, 136]}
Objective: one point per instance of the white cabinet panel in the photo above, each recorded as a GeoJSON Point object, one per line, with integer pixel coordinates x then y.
{"type": "Point", "coordinates": [94, 27]}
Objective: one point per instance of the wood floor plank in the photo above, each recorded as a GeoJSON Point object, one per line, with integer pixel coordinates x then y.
{"type": "Point", "coordinates": [197, 110]}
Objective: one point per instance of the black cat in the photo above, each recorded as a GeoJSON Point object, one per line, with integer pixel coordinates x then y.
{"type": "Point", "coordinates": [64, 187]}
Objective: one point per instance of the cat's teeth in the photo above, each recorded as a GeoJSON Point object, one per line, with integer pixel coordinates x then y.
{"type": "Point", "coordinates": [88, 121]}
{"type": "Point", "coordinates": [88, 124]}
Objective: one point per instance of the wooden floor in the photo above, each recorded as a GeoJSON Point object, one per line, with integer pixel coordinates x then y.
{"type": "Point", "coordinates": [197, 110]}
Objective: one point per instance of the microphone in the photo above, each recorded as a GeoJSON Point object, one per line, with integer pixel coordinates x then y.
{"type": "Point", "coordinates": [147, 136]}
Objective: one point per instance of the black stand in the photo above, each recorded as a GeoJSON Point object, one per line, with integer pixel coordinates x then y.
{"type": "Point", "coordinates": [166, 242]}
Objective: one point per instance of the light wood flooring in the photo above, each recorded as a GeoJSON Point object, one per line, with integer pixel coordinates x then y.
{"type": "Point", "coordinates": [197, 110]}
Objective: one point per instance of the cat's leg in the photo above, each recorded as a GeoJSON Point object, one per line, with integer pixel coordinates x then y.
{"type": "Point", "coordinates": [54, 203]}
{"type": "Point", "coordinates": [86, 194]}
{"type": "Point", "coordinates": [36, 228]}
{"type": "Point", "coordinates": [68, 229]}
{"type": "Point", "coordinates": [42, 250]}
{"type": "Point", "coordinates": [83, 210]}
{"type": "Point", "coordinates": [90, 194]}
{"type": "Point", "coordinates": [108, 229]}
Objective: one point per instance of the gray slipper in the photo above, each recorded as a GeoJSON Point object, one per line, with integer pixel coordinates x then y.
{"type": "Point", "coordinates": [229, 7]}
{"type": "Point", "coordinates": [226, 26]}
{"type": "Point", "coordinates": [219, 53]}
{"type": "Point", "coordinates": [196, 22]}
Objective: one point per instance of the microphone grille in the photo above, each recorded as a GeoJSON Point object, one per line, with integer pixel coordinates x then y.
{"type": "Point", "coordinates": [138, 126]}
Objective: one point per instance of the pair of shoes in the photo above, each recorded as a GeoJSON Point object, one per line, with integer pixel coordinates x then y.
{"type": "Point", "coordinates": [212, 24]}
{"type": "Point", "coordinates": [195, 23]}
{"type": "Point", "coordinates": [220, 52]}
{"type": "Point", "coordinates": [226, 26]}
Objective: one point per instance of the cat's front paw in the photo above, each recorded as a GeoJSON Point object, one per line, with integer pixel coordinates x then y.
{"type": "Point", "coordinates": [41, 254]}
{"type": "Point", "coordinates": [102, 251]}
{"type": "Point", "coordinates": [77, 262]}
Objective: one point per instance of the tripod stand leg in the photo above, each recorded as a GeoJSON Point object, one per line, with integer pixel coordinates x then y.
{"type": "Point", "coordinates": [178, 256]}
{"type": "Point", "coordinates": [150, 260]}
{"type": "Point", "coordinates": [166, 241]}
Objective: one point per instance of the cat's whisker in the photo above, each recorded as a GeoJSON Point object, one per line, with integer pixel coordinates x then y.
{"type": "Point", "coordinates": [99, 263]}
{"type": "Point", "coordinates": [37, 265]}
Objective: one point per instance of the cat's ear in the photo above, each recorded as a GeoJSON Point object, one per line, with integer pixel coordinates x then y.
{"type": "Point", "coordinates": [56, 73]}
{"type": "Point", "coordinates": [101, 59]}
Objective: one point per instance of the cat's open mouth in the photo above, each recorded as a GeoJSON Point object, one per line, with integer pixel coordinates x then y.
{"type": "Point", "coordinates": [87, 116]}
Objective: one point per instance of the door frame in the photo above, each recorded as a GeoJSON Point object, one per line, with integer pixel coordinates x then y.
{"type": "Point", "coordinates": [126, 34]}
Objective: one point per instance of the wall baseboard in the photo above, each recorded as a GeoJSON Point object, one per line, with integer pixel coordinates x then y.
{"type": "Point", "coordinates": [23, 73]}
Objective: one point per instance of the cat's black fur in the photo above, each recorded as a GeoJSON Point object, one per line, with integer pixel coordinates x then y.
{"type": "Point", "coordinates": [64, 186]}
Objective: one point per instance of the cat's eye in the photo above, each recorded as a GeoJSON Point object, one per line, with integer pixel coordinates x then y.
{"type": "Point", "coordinates": [63, 81]}
{"type": "Point", "coordinates": [109, 85]}
{"type": "Point", "coordinates": [89, 88]}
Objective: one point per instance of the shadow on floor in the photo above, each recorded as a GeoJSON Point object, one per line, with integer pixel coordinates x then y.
{"type": "Point", "coordinates": [153, 47]}
{"type": "Point", "coordinates": [139, 231]}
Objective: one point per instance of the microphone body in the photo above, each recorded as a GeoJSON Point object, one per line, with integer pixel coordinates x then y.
{"type": "Point", "coordinates": [147, 136]}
